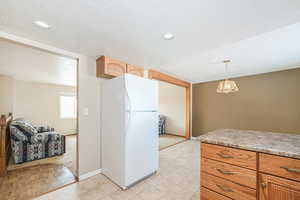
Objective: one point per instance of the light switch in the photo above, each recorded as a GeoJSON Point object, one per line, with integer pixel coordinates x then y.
{"type": "Point", "coordinates": [86, 111]}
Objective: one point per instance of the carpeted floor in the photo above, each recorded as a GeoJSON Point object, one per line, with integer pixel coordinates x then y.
{"type": "Point", "coordinates": [167, 140]}
{"type": "Point", "coordinates": [28, 180]}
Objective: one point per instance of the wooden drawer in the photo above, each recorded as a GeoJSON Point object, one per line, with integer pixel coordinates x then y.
{"type": "Point", "coordinates": [229, 155]}
{"type": "Point", "coordinates": [280, 166]}
{"type": "Point", "coordinates": [227, 188]}
{"type": "Point", "coordinates": [207, 194]}
{"type": "Point", "coordinates": [233, 173]}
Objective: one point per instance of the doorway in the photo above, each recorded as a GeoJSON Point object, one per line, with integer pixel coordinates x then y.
{"type": "Point", "coordinates": [171, 104]}
{"type": "Point", "coordinates": [41, 93]}
{"type": "Point", "coordinates": [174, 109]}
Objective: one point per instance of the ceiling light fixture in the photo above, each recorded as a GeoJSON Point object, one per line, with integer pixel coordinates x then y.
{"type": "Point", "coordinates": [227, 86]}
{"type": "Point", "coordinates": [42, 24]}
{"type": "Point", "coordinates": [168, 36]}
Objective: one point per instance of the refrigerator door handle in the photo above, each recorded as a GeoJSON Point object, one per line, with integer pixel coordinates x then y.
{"type": "Point", "coordinates": [128, 111]}
{"type": "Point", "coordinates": [128, 118]}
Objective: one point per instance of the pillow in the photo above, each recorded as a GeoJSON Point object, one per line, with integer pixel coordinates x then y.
{"type": "Point", "coordinates": [17, 135]}
{"type": "Point", "coordinates": [24, 126]}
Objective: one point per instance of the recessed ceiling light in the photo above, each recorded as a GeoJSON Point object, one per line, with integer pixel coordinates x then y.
{"type": "Point", "coordinates": [41, 24]}
{"type": "Point", "coordinates": [168, 36]}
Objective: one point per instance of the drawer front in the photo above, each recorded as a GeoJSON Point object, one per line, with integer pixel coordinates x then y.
{"type": "Point", "coordinates": [233, 173]}
{"type": "Point", "coordinates": [280, 166]}
{"type": "Point", "coordinates": [207, 194]}
{"type": "Point", "coordinates": [229, 155]}
{"type": "Point", "coordinates": [227, 188]}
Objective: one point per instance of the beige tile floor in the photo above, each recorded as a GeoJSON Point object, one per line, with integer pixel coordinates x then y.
{"type": "Point", "coordinates": [177, 179]}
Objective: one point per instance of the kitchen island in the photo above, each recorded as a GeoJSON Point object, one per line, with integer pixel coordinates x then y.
{"type": "Point", "coordinates": [250, 165]}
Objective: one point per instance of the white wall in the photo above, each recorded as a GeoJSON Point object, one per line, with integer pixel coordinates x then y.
{"type": "Point", "coordinates": [6, 94]}
{"type": "Point", "coordinates": [172, 105]}
{"type": "Point", "coordinates": [89, 125]}
{"type": "Point", "coordinates": [40, 104]}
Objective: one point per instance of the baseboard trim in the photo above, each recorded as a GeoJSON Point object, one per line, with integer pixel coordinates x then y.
{"type": "Point", "coordinates": [89, 174]}
{"type": "Point", "coordinates": [175, 134]}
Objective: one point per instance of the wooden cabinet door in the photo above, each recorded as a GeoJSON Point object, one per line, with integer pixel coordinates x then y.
{"type": "Point", "coordinates": [109, 67]}
{"type": "Point", "coordinates": [138, 71]}
{"type": "Point", "coordinates": [274, 188]}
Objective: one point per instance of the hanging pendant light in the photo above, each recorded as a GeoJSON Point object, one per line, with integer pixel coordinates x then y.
{"type": "Point", "coordinates": [227, 86]}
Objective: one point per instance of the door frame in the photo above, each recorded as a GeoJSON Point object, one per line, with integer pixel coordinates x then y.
{"type": "Point", "coordinates": [60, 52]}
{"type": "Point", "coordinates": [156, 75]}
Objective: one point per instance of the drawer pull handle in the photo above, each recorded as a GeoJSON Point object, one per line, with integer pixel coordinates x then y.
{"type": "Point", "coordinates": [291, 169]}
{"type": "Point", "coordinates": [225, 172]}
{"type": "Point", "coordinates": [225, 188]}
{"type": "Point", "coordinates": [224, 156]}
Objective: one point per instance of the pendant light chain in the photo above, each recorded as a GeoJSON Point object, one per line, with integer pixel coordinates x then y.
{"type": "Point", "coordinates": [227, 85]}
{"type": "Point", "coordinates": [226, 69]}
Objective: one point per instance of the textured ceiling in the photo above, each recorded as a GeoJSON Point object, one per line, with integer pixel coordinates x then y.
{"type": "Point", "coordinates": [206, 31]}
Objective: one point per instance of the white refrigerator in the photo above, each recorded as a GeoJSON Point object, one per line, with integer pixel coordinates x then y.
{"type": "Point", "coordinates": [129, 129]}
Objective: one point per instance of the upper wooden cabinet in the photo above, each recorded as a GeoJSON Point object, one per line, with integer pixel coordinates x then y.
{"type": "Point", "coordinates": [139, 71]}
{"type": "Point", "coordinates": [108, 67]}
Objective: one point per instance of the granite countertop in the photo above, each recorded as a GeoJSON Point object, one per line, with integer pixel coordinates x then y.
{"type": "Point", "coordinates": [282, 144]}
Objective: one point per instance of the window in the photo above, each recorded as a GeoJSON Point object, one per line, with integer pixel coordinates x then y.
{"type": "Point", "coordinates": [68, 107]}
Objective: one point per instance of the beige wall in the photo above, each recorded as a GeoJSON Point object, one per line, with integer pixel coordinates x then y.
{"type": "Point", "coordinates": [266, 102]}
{"type": "Point", "coordinates": [6, 94]}
{"type": "Point", "coordinates": [172, 105]}
{"type": "Point", "coordinates": [40, 104]}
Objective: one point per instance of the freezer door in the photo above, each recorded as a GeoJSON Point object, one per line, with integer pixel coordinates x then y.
{"type": "Point", "coordinates": [141, 146]}
{"type": "Point", "coordinates": [142, 93]}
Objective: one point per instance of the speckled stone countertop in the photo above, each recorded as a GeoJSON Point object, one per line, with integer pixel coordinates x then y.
{"type": "Point", "coordinates": [282, 144]}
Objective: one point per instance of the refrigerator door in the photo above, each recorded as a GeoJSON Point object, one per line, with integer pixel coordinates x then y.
{"type": "Point", "coordinates": [113, 129]}
{"type": "Point", "coordinates": [142, 93]}
{"type": "Point", "coordinates": [141, 146]}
